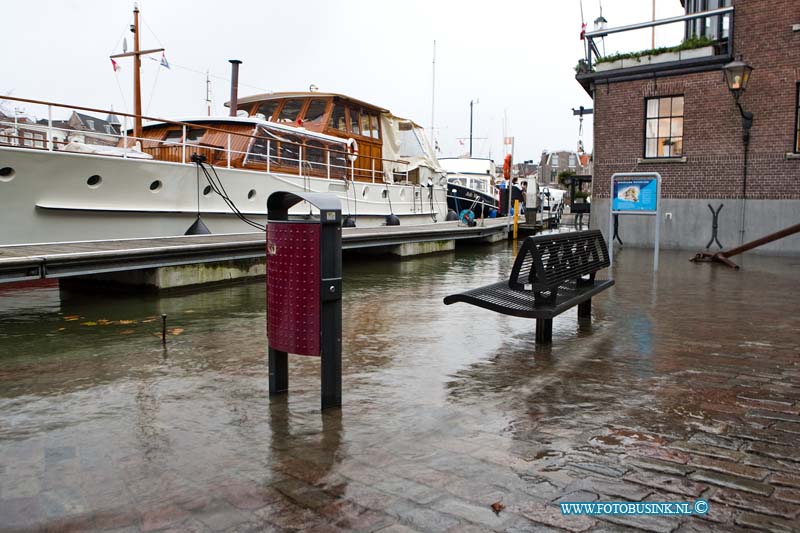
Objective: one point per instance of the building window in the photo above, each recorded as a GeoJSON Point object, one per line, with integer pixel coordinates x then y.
{"type": "Point", "coordinates": [573, 161]}
{"type": "Point", "coordinates": [554, 161]}
{"type": "Point", "coordinates": [664, 127]}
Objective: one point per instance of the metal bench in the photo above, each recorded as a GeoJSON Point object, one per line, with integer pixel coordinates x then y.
{"type": "Point", "coordinates": [552, 273]}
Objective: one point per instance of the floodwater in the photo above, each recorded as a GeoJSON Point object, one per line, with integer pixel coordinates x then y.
{"type": "Point", "coordinates": [684, 386]}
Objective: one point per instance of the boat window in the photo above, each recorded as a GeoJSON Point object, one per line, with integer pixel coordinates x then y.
{"type": "Point", "coordinates": [337, 118]}
{"type": "Point", "coordinates": [173, 137]}
{"type": "Point", "coordinates": [291, 108]}
{"type": "Point", "coordinates": [258, 152]}
{"type": "Point", "coordinates": [409, 142]}
{"type": "Point", "coordinates": [267, 108]}
{"type": "Point", "coordinates": [195, 134]}
{"type": "Point", "coordinates": [365, 127]}
{"type": "Point", "coordinates": [314, 153]}
{"type": "Point", "coordinates": [376, 132]}
{"type": "Point", "coordinates": [354, 121]}
{"type": "Point", "coordinates": [315, 112]}
{"type": "Point", "coordinates": [340, 166]}
{"type": "Point", "coordinates": [289, 151]}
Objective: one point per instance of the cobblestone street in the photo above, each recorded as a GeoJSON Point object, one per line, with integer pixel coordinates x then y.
{"type": "Point", "coordinates": [686, 386]}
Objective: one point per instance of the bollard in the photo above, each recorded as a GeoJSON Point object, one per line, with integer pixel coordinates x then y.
{"type": "Point", "coordinates": [516, 217]}
{"type": "Point", "coordinates": [164, 329]}
{"type": "Point", "coordinates": [304, 289]}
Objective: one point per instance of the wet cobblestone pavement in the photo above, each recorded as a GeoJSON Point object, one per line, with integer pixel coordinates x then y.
{"type": "Point", "coordinates": [685, 386]}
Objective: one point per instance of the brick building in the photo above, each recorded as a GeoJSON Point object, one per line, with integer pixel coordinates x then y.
{"type": "Point", "coordinates": [671, 112]}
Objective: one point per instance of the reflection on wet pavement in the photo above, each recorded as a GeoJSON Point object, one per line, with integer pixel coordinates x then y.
{"type": "Point", "coordinates": [686, 385]}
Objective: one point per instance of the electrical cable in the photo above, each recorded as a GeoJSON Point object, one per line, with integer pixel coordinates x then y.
{"type": "Point", "coordinates": [216, 185]}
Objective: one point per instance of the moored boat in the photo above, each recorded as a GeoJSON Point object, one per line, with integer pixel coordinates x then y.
{"type": "Point", "coordinates": [471, 186]}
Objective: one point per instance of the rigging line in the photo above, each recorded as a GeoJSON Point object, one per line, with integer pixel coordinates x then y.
{"type": "Point", "coordinates": [121, 93]}
{"type": "Point", "coordinates": [146, 25]}
{"type": "Point", "coordinates": [222, 78]}
{"type": "Point", "coordinates": [152, 91]}
{"type": "Point", "coordinates": [121, 35]}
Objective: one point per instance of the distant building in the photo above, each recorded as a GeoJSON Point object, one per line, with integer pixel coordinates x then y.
{"type": "Point", "coordinates": [21, 130]}
{"type": "Point", "coordinates": [673, 112]}
{"type": "Point", "coordinates": [553, 163]}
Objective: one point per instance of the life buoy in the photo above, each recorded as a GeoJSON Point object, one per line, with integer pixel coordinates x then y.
{"type": "Point", "coordinates": [352, 150]}
{"type": "Point", "coordinates": [507, 167]}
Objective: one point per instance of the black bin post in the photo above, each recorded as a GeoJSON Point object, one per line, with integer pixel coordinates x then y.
{"type": "Point", "coordinates": [304, 289]}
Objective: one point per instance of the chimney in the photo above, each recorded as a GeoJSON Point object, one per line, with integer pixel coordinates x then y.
{"type": "Point", "coordinates": [234, 85]}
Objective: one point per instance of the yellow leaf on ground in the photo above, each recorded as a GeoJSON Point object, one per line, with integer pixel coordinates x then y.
{"type": "Point", "coordinates": [126, 322]}
{"type": "Point", "coordinates": [147, 320]}
{"type": "Point", "coordinates": [104, 322]}
{"type": "Point", "coordinates": [88, 323]}
{"type": "Point", "coordinates": [175, 331]}
{"type": "Point", "coordinates": [61, 329]}
{"type": "Point", "coordinates": [71, 317]}
{"type": "Point", "coordinates": [126, 331]}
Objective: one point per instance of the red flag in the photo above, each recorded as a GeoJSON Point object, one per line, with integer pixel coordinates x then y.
{"type": "Point", "coordinates": [114, 65]}
{"type": "Point", "coordinates": [583, 30]}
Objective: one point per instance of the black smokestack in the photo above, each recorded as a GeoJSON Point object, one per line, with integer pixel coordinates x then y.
{"type": "Point", "coordinates": [234, 85]}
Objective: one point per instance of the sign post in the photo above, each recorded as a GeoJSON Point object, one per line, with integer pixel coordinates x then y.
{"type": "Point", "coordinates": [635, 193]}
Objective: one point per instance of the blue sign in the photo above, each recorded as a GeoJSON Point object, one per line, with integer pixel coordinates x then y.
{"type": "Point", "coordinates": [635, 195]}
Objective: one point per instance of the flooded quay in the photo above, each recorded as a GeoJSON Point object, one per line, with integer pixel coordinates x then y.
{"type": "Point", "coordinates": [686, 386]}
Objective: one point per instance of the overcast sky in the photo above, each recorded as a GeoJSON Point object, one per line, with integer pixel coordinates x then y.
{"type": "Point", "coordinates": [515, 58]}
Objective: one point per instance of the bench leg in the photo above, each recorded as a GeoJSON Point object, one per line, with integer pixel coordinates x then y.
{"type": "Point", "coordinates": [544, 330]}
{"type": "Point", "coordinates": [585, 309]}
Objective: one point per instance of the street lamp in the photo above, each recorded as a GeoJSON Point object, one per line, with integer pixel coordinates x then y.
{"type": "Point", "coordinates": [737, 76]}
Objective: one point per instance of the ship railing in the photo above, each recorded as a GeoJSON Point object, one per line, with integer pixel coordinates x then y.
{"type": "Point", "coordinates": [712, 28]}
{"type": "Point", "coordinates": [310, 157]}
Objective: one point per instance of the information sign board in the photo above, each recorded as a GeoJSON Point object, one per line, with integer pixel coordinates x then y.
{"type": "Point", "coordinates": [638, 195]}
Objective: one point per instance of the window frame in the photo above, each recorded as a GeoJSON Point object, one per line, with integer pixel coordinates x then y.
{"type": "Point", "coordinates": [683, 127]}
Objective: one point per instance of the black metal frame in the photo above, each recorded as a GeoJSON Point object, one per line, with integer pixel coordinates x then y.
{"type": "Point", "coordinates": [547, 279]}
{"type": "Point", "coordinates": [330, 218]}
{"type": "Point", "coordinates": [644, 131]}
{"type": "Point", "coordinates": [797, 121]}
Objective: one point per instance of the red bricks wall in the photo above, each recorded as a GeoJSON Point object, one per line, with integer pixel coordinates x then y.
{"type": "Point", "coordinates": [712, 140]}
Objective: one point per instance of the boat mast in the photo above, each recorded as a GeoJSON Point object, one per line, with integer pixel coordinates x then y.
{"type": "Point", "coordinates": [433, 94]}
{"type": "Point", "coordinates": [137, 66]}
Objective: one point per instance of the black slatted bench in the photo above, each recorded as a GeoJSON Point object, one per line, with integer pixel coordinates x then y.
{"type": "Point", "coordinates": [551, 274]}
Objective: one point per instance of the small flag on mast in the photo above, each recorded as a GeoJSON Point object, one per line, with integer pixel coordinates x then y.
{"type": "Point", "coordinates": [115, 66]}
{"type": "Point", "coordinates": [164, 62]}
{"type": "Point", "coordinates": [583, 30]}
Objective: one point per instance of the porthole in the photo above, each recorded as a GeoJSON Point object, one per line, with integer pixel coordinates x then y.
{"type": "Point", "coordinates": [156, 186]}
{"type": "Point", "coordinates": [364, 191]}
{"type": "Point", "coordinates": [207, 190]}
{"type": "Point", "coordinates": [251, 194]}
{"type": "Point", "coordinates": [7, 174]}
{"type": "Point", "coordinates": [94, 181]}
{"type": "Point", "coordinates": [384, 193]}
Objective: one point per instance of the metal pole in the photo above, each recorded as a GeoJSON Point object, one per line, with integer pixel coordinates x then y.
{"type": "Point", "coordinates": [610, 234]}
{"type": "Point", "coordinates": [658, 223]}
{"type": "Point", "coordinates": [183, 144]}
{"type": "Point", "coordinates": [229, 150]}
{"type": "Point", "coordinates": [269, 156]}
{"type": "Point", "coordinates": [470, 128]}
{"type": "Point", "coordinates": [50, 127]}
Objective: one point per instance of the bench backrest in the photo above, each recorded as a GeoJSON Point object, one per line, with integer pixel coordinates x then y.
{"type": "Point", "coordinates": [545, 261]}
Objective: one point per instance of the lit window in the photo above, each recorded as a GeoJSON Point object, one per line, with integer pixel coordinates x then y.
{"type": "Point", "coordinates": [664, 127]}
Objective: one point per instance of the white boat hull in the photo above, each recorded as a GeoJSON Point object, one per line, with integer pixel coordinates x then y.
{"type": "Point", "coordinates": [49, 197]}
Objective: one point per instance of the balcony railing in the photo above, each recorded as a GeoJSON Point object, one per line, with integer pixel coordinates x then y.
{"type": "Point", "coordinates": [713, 28]}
